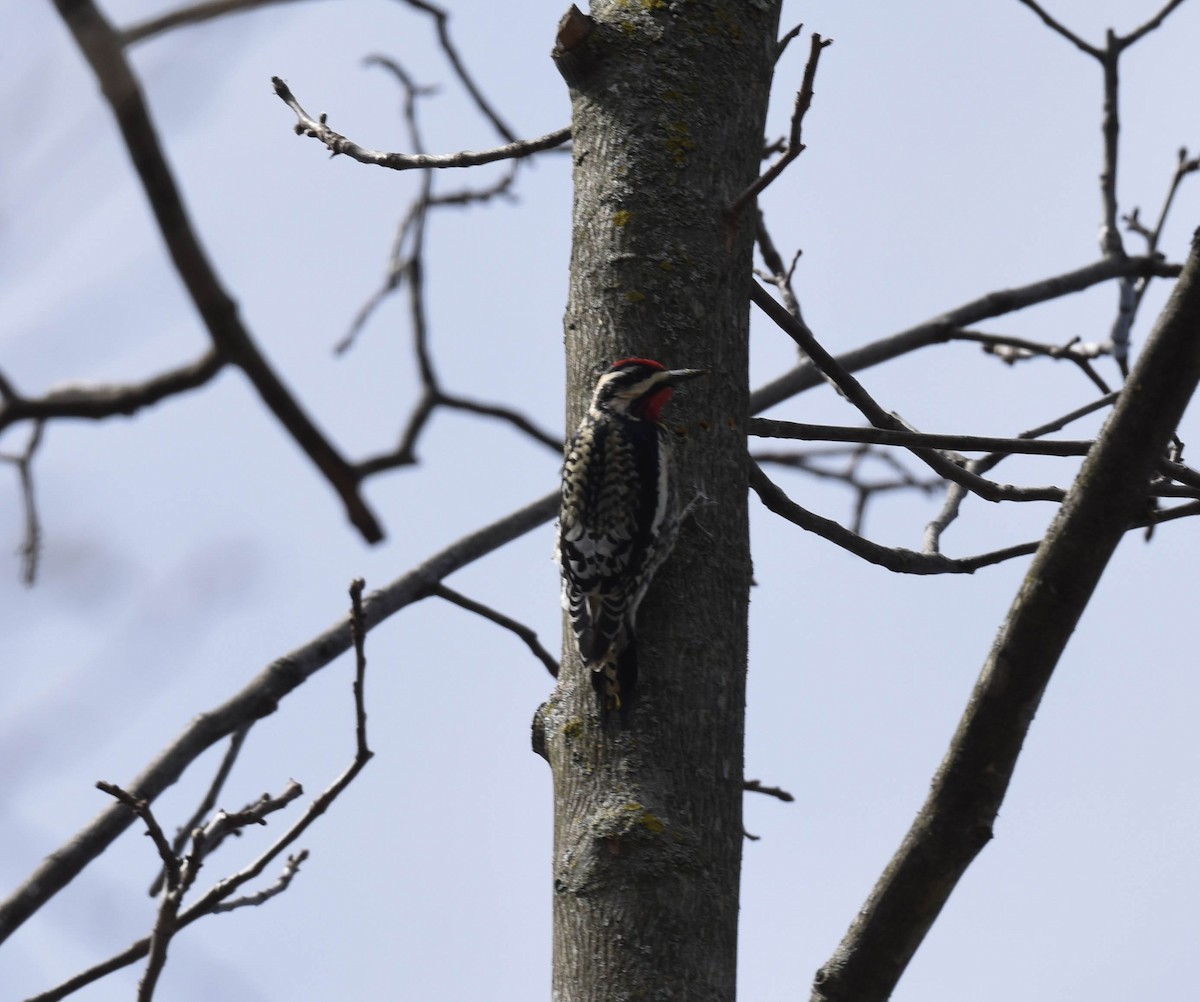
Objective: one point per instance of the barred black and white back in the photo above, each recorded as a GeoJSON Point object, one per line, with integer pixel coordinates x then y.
{"type": "Point", "coordinates": [619, 517]}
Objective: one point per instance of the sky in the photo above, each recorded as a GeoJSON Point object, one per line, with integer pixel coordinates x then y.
{"type": "Point", "coordinates": [953, 150]}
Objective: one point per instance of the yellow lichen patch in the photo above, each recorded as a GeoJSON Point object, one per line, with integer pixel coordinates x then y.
{"type": "Point", "coordinates": [645, 818]}
{"type": "Point", "coordinates": [651, 823]}
{"type": "Point", "coordinates": [622, 216]}
{"type": "Point", "coordinates": [666, 264]}
{"type": "Point", "coordinates": [633, 296]}
{"type": "Point", "coordinates": [679, 140]}
{"type": "Point", "coordinates": [572, 727]}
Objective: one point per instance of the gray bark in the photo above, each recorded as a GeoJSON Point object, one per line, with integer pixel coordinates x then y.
{"type": "Point", "coordinates": [669, 104]}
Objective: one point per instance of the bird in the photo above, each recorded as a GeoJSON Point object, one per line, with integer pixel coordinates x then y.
{"type": "Point", "coordinates": [618, 518]}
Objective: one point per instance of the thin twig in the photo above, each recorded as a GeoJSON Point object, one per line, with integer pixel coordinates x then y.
{"type": "Point", "coordinates": [259, 698]}
{"type": "Point", "coordinates": [406, 270]}
{"type": "Point", "coordinates": [487, 612]}
{"type": "Point", "coordinates": [810, 461]}
{"type": "Point", "coordinates": [1011, 350]}
{"type": "Point", "coordinates": [191, 14]}
{"type": "Point", "coordinates": [1110, 235]}
{"type": "Point", "coordinates": [205, 840]}
{"type": "Point", "coordinates": [358, 635]}
{"type": "Point", "coordinates": [854, 392]}
{"type": "Point", "coordinates": [1184, 165]}
{"type": "Point", "coordinates": [956, 494]}
{"type": "Point", "coordinates": [754, 786]}
{"type": "Point", "coordinates": [897, 559]}
{"type": "Point", "coordinates": [786, 40]}
{"type": "Point", "coordinates": [1138, 33]}
{"type": "Point", "coordinates": [316, 128]}
{"type": "Point", "coordinates": [30, 550]}
{"type": "Point", "coordinates": [779, 275]}
{"type": "Point", "coordinates": [519, 421]}
{"type": "Point", "coordinates": [142, 809]}
{"type": "Point", "coordinates": [939, 329]}
{"type": "Point", "coordinates": [290, 869]}
{"type": "Point", "coordinates": [795, 147]}
{"type": "Point", "coordinates": [1066, 32]}
{"type": "Point", "coordinates": [442, 22]}
{"type": "Point", "coordinates": [236, 740]}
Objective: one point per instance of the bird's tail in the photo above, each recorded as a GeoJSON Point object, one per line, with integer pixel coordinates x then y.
{"type": "Point", "coordinates": [614, 677]}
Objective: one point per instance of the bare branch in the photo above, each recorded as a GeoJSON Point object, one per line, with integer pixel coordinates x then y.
{"type": "Point", "coordinates": [236, 740]}
{"type": "Point", "coordinates": [1066, 32]}
{"type": "Point", "coordinates": [1181, 473]}
{"type": "Point", "coordinates": [198, 12]}
{"type": "Point", "coordinates": [956, 820]}
{"type": "Point", "coordinates": [896, 559]}
{"type": "Point", "coordinates": [957, 494]}
{"type": "Point", "coordinates": [1110, 125]}
{"type": "Point", "coordinates": [803, 102]}
{"type": "Point", "coordinates": [786, 40]}
{"type": "Point", "coordinates": [142, 809]}
{"type": "Point", "coordinates": [398, 261]}
{"type": "Point", "coordinates": [101, 45]}
{"type": "Point", "coordinates": [183, 17]}
{"type": "Point", "coordinates": [939, 330]}
{"type": "Point", "coordinates": [1109, 57]}
{"type": "Point", "coordinates": [780, 276]}
{"type": "Point", "coordinates": [316, 128]}
{"type": "Point", "coordinates": [767, 428]}
{"type": "Point", "coordinates": [1184, 165]}
{"type": "Point", "coordinates": [209, 837]}
{"type": "Point", "coordinates": [754, 786]}
{"type": "Point", "coordinates": [259, 698]}
{"type": "Point", "coordinates": [358, 634]}
{"type": "Point", "coordinates": [442, 23]}
{"type": "Point", "coordinates": [129, 955]}
{"type": "Point", "coordinates": [99, 401]}
{"type": "Point", "coordinates": [812, 462]}
{"type": "Point", "coordinates": [224, 888]}
{"type": "Point", "coordinates": [487, 612]}
{"type": "Point", "coordinates": [406, 269]}
{"type": "Point", "coordinates": [290, 869]}
{"type": "Point", "coordinates": [1059, 423]}
{"type": "Point", "coordinates": [30, 549]}
{"type": "Point", "coordinates": [205, 841]}
{"type": "Point", "coordinates": [857, 395]}
{"type": "Point", "coordinates": [518, 421]}
{"type": "Point", "coordinates": [1138, 33]}
{"type": "Point", "coordinates": [1129, 293]}
{"type": "Point", "coordinates": [1011, 350]}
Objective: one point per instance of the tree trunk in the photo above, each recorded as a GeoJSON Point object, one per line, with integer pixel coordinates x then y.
{"type": "Point", "coordinates": [669, 103]}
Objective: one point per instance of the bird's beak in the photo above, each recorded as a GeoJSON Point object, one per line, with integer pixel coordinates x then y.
{"type": "Point", "coordinates": [673, 376]}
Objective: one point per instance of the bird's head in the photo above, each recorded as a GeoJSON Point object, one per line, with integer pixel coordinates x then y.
{"type": "Point", "coordinates": [639, 387]}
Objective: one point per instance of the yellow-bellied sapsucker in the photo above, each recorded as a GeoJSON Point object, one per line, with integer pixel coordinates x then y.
{"type": "Point", "coordinates": [619, 516]}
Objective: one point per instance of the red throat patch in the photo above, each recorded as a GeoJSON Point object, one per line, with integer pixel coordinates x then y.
{"type": "Point", "coordinates": [652, 405]}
